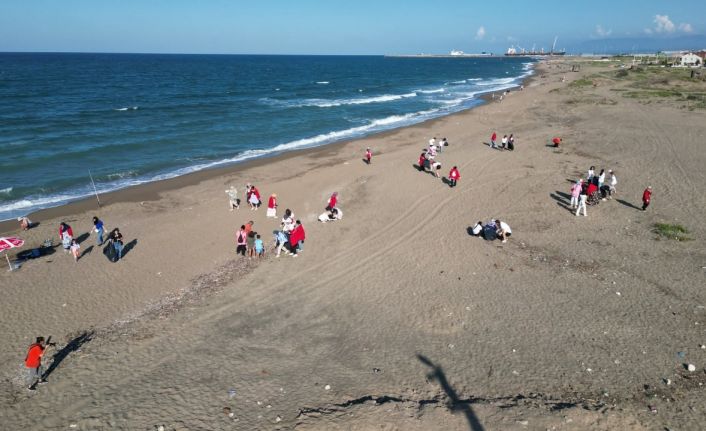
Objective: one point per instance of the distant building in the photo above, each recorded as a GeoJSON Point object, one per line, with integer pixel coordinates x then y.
{"type": "Point", "coordinates": [690, 60]}
{"type": "Point", "coordinates": [701, 54]}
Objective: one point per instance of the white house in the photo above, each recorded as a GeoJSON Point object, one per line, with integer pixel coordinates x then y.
{"type": "Point", "coordinates": [690, 60]}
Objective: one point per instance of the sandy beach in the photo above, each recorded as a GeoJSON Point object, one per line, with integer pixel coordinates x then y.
{"type": "Point", "coordinates": [394, 317]}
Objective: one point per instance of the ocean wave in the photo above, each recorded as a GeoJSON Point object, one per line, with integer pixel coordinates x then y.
{"type": "Point", "coordinates": [436, 90]}
{"type": "Point", "coordinates": [129, 108]}
{"type": "Point", "coordinates": [6, 191]}
{"type": "Point", "coordinates": [121, 175]}
{"type": "Point", "coordinates": [328, 103]}
{"type": "Point", "coordinates": [475, 79]}
{"type": "Point", "coordinates": [322, 82]}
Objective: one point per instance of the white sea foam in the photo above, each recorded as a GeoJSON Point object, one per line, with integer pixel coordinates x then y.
{"type": "Point", "coordinates": [436, 90]}
{"type": "Point", "coordinates": [129, 108]}
{"type": "Point", "coordinates": [6, 191]}
{"type": "Point", "coordinates": [322, 82]}
{"type": "Point", "coordinates": [328, 103]}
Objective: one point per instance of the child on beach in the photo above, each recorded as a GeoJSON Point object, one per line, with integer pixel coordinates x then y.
{"type": "Point", "coordinates": [75, 249]}
{"type": "Point", "coordinates": [493, 138]}
{"type": "Point", "coordinates": [332, 201]}
{"type": "Point", "coordinates": [281, 239]}
{"type": "Point", "coordinates": [575, 193]}
{"type": "Point", "coordinates": [368, 156]}
{"type": "Point", "coordinates": [454, 176]}
{"type": "Point", "coordinates": [251, 244]}
{"type": "Point", "coordinates": [241, 241]}
{"type": "Point", "coordinates": [259, 247]}
{"type": "Point", "coordinates": [646, 198]}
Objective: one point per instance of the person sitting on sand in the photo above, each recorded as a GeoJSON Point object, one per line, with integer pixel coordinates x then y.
{"type": "Point", "coordinates": [332, 201]}
{"type": "Point", "coordinates": [232, 193]}
{"type": "Point", "coordinates": [333, 215]}
{"type": "Point", "coordinates": [254, 199]}
{"type": "Point", "coordinates": [75, 249]}
{"type": "Point", "coordinates": [454, 176]}
{"type": "Point", "coordinates": [66, 234]}
{"type": "Point", "coordinates": [272, 206]}
{"type": "Point", "coordinates": [25, 223]}
{"type": "Point", "coordinates": [422, 160]}
{"type": "Point", "coordinates": [477, 230]}
{"type": "Point", "coordinates": [502, 230]}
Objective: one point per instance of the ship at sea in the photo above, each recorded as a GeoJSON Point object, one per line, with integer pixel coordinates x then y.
{"type": "Point", "coordinates": [521, 52]}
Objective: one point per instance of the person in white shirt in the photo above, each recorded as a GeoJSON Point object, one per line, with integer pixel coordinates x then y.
{"type": "Point", "coordinates": [432, 142]}
{"type": "Point", "coordinates": [503, 142]}
{"type": "Point", "coordinates": [613, 183]}
{"type": "Point", "coordinates": [591, 173]}
{"type": "Point", "coordinates": [503, 230]}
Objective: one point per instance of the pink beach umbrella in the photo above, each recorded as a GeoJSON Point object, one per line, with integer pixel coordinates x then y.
{"type": "Point", "coordinates": [9, 242]}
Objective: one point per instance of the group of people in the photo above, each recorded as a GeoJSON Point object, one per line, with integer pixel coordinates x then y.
{"type": "Point", "coordinates": [428, 163]}
{"type": "Point", "coordinates": [595, 188]}
{"type": "Point", "coordinates": [494, 229]}
{"type": "Point", "coordinates": [252, 195]}
{"type": "Point", "coordinates": [506, 143]}
{"type": "Point", "coordinates": [71, 244]}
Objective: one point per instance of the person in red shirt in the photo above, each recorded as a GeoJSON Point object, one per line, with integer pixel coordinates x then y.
{"type": "Point", "coordinates": [296, 238]}
{"type": "Point", "coordinates": [63, 227]}
{"type": "Point", "coordinates": [646, 198]}
{"type": "Point", "coordinates": [454, 176]}
{"type": "Point", "coordinates": [272, 206]}
{"type": "Point", "coordinates": [493, 138]}
{"type": "Point", "coordinates": [332, 201]}
{"type": "Point", "coordinates": [33, 362]}
{"type": "Point", "coordinates": [368, 156]}
{"type": "Point", "coordinates": [421, 161]}
{"type": "Point", "coordinates": [256, 192]}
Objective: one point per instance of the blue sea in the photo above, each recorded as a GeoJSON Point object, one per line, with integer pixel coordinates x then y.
{"type": "Point", "coordinates": [134, 118]}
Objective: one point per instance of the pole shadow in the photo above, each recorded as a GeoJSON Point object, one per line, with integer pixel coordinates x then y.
{"type": "Point", "coordinates": [455, 404]}
{"type": "Point", "coordinates": [628, 204]}
{"type": "Point", "coordinates": [81, 238]}
{"type": "Point", "coordinates": [69, 348]}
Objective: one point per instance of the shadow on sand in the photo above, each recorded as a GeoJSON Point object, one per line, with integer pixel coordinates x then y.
{"type": "Point", "coordinates": [628, 204]}
{"type": "Point", "coordinates": [69, 348]}
{"type": "Point", "coordinates": [455, 404]}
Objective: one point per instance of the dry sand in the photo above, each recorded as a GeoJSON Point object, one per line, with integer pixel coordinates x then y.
{"type": "Point", "coordinates": [393, 318]}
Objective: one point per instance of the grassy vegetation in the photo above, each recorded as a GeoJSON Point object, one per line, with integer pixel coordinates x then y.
{"type": "Point", "coordinates": [672, 231]}
{"type": "Point", "coordinates": [579, 83]}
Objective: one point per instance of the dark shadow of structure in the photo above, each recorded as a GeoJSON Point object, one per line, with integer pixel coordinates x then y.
{"type": "Point", "coordinates": [69, 348]}
{"type": "Point", "coordinates": [628, 204]}
{"type": "Point", "coordinates": [455, 404]}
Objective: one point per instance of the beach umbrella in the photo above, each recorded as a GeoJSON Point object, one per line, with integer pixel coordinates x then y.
{"type": "Point", "coordinates": [9, 242]}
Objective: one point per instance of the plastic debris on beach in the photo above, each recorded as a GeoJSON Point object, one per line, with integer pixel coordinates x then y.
{"type": "Point", "coordinates": [327, 387]}
{"type": "Point", "coordinates": [691, 367]}
{"type": "Point", "coordinates": [231, 393]}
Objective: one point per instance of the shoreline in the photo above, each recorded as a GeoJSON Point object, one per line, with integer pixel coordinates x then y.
{"type": "Point", "coordinates": [151, 190]}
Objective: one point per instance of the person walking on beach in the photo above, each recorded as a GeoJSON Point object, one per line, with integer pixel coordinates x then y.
{"type": "Point", "coordinates": [241, 241]}
{"type": "Point", "coordinates": [99, 229]}
{"type": "Point", "coordinates": [272, 206]}
{"type": "Point", "coordinates": [75, 249]}
{"type": "Point", "coordinates": [66, 234]}
{"type": "Point", "coordinates": [368, 156]}
{"type": "Point", "coordinates": [332, 201]}
{"type": "Point", "coordinates": [493, 138]}
{"type": "Point", "coordinates": [251, 243]}
{"type": "Point", "coordinates": [454, 176]}
{"type": "Point", "coordinates": [232, 193]}
{"type": "Point", "coordinates": [601, 179]}
{"type": "Point", "coordinates": [117, 239]}
{"type": "Point", "coordinates": [583, 197]}
{"type": "Point", "coordinates": [575, 193]}
{"type": "Point", "coordinates": [646, 198]}
{"type": "Point", "coordinates": [503, 142]}
{"type": "Point", "coordinates": [591, 173]}
{"type": "Point", "coordinates": [613, 183]}
{"type": "Point", "coordinates": [259, 247]}
{"type": "Point", "coordinates": [33, 362]}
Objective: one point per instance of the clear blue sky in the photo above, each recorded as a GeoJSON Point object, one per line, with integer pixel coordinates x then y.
{"type": "Point", "coordinates": [333, 27]}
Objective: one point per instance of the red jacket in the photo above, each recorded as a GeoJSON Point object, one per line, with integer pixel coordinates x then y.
{"type": "Point", "coordinates": [68, 230]}
{"type": "Point", "coordinates": [454, 174]}
{"type": "Point", "coordinates": [368, 154]}
{"type": "Point", "coordinates": [332, 201]}
{"type": "Point", "coordinates": [257, 193]}
{"type": "Point", "coordinates": [494, 137]}
{"type": "Point", "coordinates": [296, 235]}
{"type": "Point", "coordinates": [272, 202]}
{"type": "Point", "coordinates": [646, 195]}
